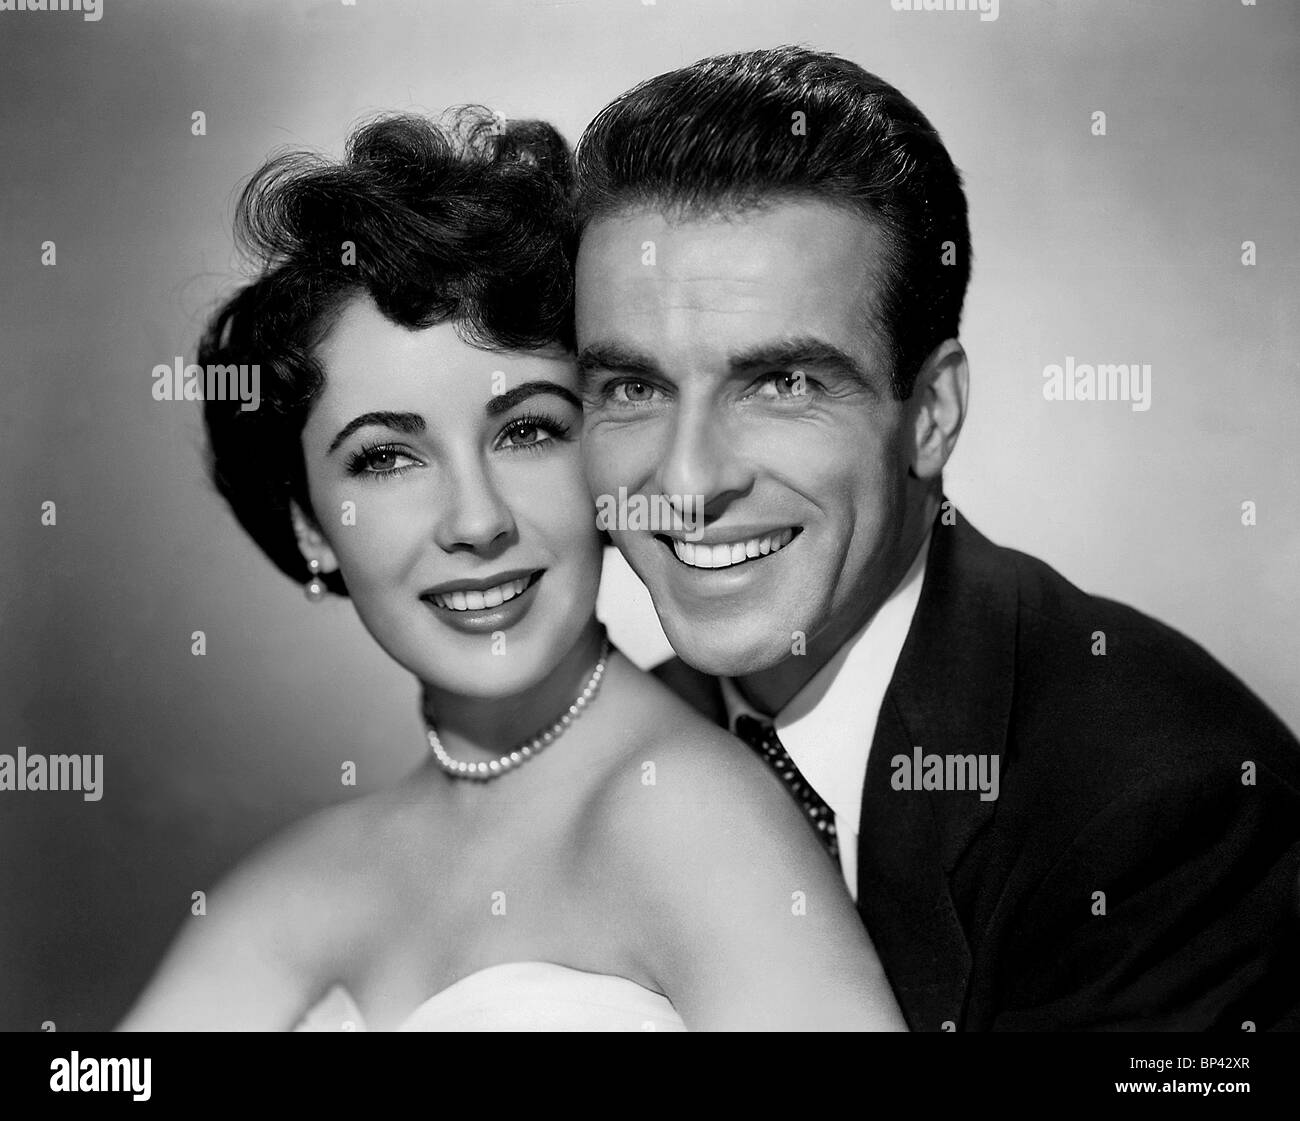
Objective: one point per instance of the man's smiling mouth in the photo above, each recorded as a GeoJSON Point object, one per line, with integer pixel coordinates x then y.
{"type": "Point", "coordinates": [728, 554]}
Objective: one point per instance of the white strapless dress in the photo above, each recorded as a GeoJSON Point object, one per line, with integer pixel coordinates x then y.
{"type": "Point", "coordinates": [517, 996]}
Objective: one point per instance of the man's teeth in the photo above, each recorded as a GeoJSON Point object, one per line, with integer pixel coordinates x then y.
{"type": "Point", "coordinates": [477, 601]}
{"type": "Point", "coordinates": [723, 556]}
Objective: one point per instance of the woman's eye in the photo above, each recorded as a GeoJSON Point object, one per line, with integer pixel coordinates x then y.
{"type": "Point", "coordinates": [528, 433]}
{"type": "Point", "coordinates": [525, 435]}
{"type": "Point", "coordinates": [382, 460]}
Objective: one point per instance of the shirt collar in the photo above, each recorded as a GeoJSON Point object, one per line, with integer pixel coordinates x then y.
{"type": "Point", "coordinates": [828, 726]}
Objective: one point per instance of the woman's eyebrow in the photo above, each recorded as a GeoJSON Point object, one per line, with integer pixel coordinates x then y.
{"type": "Point", "coordinates": [511, 397]}
{"type": "Point", "coordinates": [410, 423]}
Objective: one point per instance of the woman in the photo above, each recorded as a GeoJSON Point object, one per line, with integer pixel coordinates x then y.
{"type": "Point", "coordinates": [581, 849]}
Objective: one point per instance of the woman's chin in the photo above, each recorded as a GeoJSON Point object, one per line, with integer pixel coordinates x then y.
{"type": "Point", "coordinates": [493, 651]}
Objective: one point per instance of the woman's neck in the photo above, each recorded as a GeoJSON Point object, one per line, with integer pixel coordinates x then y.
{"type": "Point", "coordinates": [474, 728]}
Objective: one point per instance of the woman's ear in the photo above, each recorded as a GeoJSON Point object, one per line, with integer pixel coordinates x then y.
{"type": "Point", "coordinates": [311, 542]}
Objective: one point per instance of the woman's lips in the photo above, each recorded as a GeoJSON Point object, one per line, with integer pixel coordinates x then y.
{"type": "Point", "coordinates": [473, 599]}
{"type": "Point", "coordinates": [495, 607]}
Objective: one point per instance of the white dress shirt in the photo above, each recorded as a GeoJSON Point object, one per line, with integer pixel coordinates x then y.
{"type": "Point", "coordinates": [828, 726]}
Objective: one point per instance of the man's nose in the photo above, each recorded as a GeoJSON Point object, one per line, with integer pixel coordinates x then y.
{"type": "Point", "coordinates": [474, 513]}
{"type": "Point", "coordinates": [702, 463]}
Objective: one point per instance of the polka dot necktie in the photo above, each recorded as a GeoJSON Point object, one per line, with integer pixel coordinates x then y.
{"type": "Point", "coordinates": [762, 737]}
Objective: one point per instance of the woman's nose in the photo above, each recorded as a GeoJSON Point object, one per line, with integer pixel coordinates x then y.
{"type": "Point", "coordinates": [476, 515]}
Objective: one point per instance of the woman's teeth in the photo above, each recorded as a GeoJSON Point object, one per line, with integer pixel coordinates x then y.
{"type": "Point", "coordinates": [723, 556]}
{"type": "Point", "coordinates": [477, 601]}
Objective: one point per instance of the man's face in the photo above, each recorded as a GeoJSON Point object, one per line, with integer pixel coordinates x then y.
{"type": "Point", "coordinates": [735, 359]}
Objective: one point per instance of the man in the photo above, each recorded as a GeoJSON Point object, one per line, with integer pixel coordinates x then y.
{"type": "Point", "coordinates": [1054, 812]}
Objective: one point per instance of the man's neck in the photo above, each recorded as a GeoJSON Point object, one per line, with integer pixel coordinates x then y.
{"type": "Point", "coordinates": [770, 690]}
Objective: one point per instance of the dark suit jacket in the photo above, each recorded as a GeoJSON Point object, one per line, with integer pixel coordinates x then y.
{"type": "Point", "coordinates": [1124, 773]}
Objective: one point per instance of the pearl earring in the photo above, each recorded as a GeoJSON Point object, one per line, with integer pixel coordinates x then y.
{"type": "Point", "coordinates": [315, 587]}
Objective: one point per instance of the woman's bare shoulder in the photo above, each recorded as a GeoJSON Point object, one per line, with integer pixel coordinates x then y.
{"type": "Point", "coordinates": [343, 849]}
{"type": "Point", "coordinates": [681, 781]}
{"type": "Point", "coordinates": [317, 889]}
{"type": "Point", "coordinates": [738, 914]}
{"type": "Point", "coordinates": [259, 942]}
{"type": "Point", "coordinates": [307, 872]}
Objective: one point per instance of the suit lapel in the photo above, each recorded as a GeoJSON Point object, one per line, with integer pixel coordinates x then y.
{"type": "Point", "coordinates": [950, 695]}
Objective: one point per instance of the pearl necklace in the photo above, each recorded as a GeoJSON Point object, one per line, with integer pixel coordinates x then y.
{"type": "Point", "coordinates": [494, 768]}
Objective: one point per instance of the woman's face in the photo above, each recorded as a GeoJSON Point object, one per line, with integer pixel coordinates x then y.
{"type": "Point", "coordinates": [448, 485]}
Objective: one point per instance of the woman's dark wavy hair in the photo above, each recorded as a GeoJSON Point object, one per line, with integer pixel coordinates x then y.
{"type": "Point", "coordinates": [468, 222]}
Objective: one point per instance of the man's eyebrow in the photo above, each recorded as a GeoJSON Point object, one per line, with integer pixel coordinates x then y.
{"type": "Point", "coordinates": [511, 397]}
{"type": "Point", "coordinates": [410, 423]}
{"type": "Point", "coordinates": [793, 354]}
{"type": "Point", "coordinates": [619, 359]}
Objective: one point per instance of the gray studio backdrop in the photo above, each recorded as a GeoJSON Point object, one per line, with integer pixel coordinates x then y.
{"type": "Point", "coordinates": [1125, 247]}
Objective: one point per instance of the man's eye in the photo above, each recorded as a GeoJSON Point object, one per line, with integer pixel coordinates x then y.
{"type": "Point", "coordinates": [787, 383]}
{"type": "Point", "coordinates": [631, 392]}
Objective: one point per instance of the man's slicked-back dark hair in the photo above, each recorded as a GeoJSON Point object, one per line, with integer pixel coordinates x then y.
{"type": "Point", "coordinates": [723, 135]}
{"type": "Point", "coordinates": [469, 222]}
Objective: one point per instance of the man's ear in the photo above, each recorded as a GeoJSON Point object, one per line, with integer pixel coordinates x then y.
{"type": "Point", "coordinates": [311, 542]}
{"type": "Point", "coordinates": [940, 401]}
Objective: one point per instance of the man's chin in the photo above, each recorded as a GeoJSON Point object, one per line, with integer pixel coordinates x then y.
{"type": "Point", "coordinates": [720, 651]}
